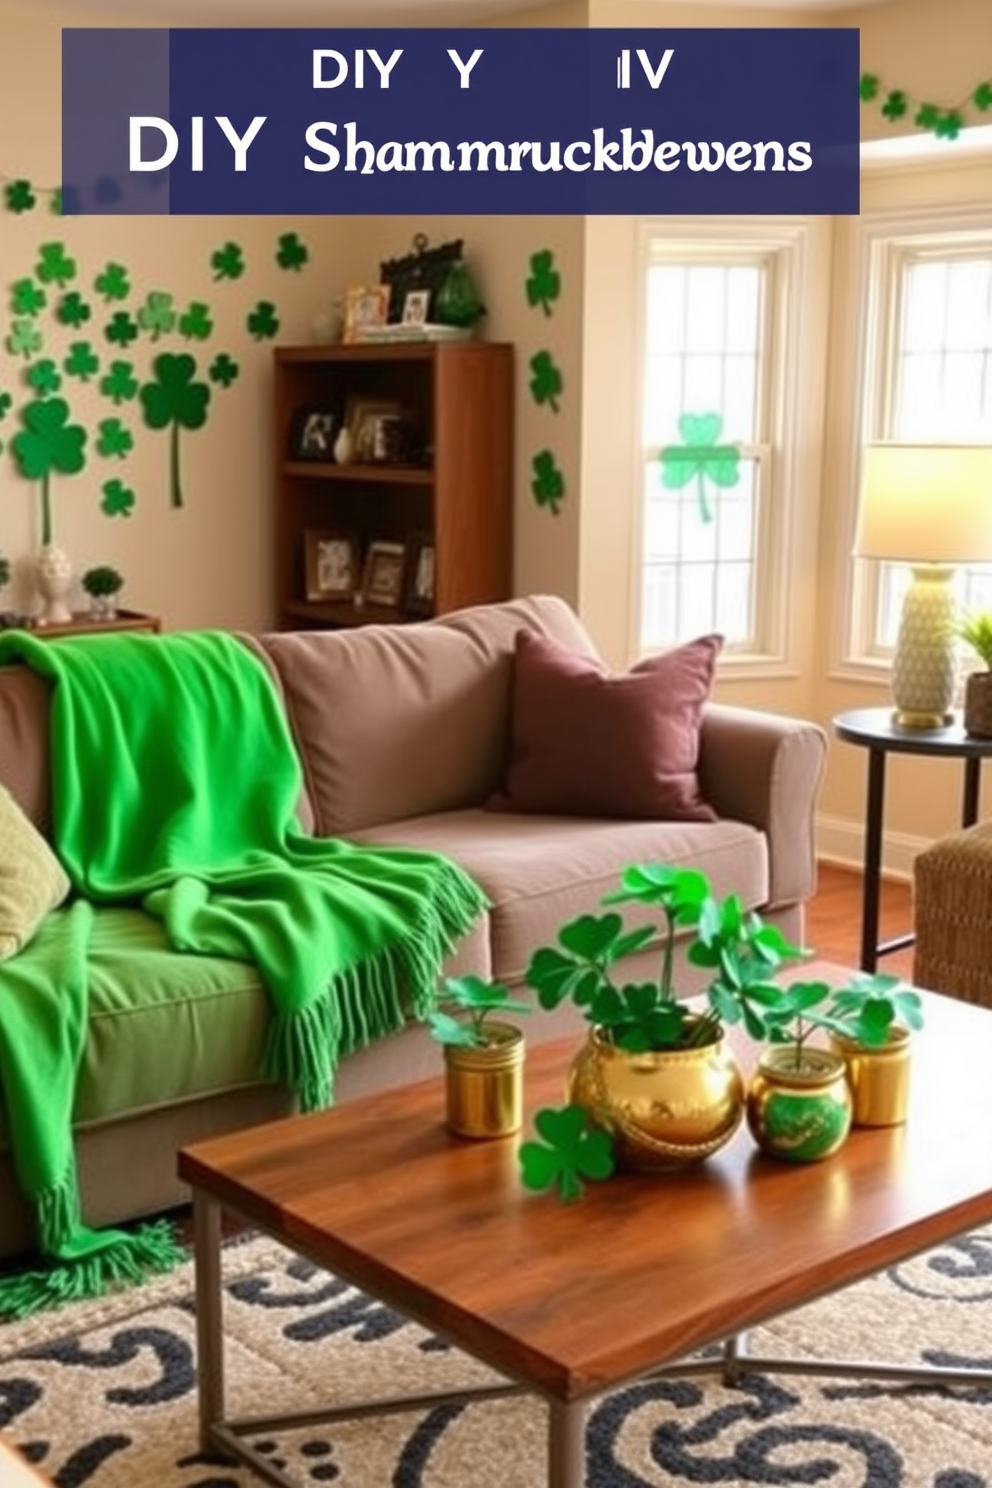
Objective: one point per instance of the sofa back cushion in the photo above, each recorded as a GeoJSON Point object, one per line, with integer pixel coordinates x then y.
{"type": "Point", "coordinates": [396, 721]}
{"type": "Point", "coordinates": [24, 707]}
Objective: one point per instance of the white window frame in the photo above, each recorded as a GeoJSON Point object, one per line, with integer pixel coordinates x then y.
{"type": "Point", "coordinates": [886, 241]}
{"type": "Point", "coordinates": [784, 243]}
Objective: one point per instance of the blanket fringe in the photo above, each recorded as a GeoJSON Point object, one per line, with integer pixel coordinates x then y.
{"type": "Point", "coordinates": [124, 1259]}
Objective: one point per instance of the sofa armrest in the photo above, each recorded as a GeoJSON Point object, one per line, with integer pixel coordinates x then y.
{"type": "Point", "coordinates": [765, 769]}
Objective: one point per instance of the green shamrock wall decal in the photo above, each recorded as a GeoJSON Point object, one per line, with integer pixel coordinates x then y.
{"type": "Point", "coordinates": [26, 298]}
{"type": "Point", "coordinates": [113, 282]}
{"type": "Point", "coordinates": [700, 456]}
{"type": "Point", "coordinates": [73, 310]}
{"type": "Point", "coordinates": [121, 330]}
{"type": "Point", "coordinates": [19, 196]}
{"type": "Point", "coordinates": [82, 361]}
{"type": "Point", "coordinates": [114, 439]}
{"type": "Point", "coordinates": [262, 322]}
{"type": "Point", "coordinates": [223, 370]}
{"type": "Point", "coordinates": [54, 266]}
{"type": "Point", "coordinates": [118, 499]}
{"type": "Point", "coordinates": [291, 253]}
{"type": "Point", "coordinates": [548, 484]}
{"type": "Point", "coordinates": [174, 401]}
{"type": "Point", "coordinates": [44, 376]}
{"type": "Point", "coordinates": [120, 384]}
{"type": "Point", "coordinates": [572, 1149]}
{"type": "Point", "coordinates": [228, 262]}
{"type": "Point", "coordinates": [545, 380]}
{"type": "Point", "coordinates": [25, 339]}
{"type": "Point", "coordinates": [6, 401]}
{"type": "Point", "coordinates": [157, 315]}
{"type": "Point", "coordinates": [195, 323]}
{"type": "Point", "coordinates": [47, 443]}
{"type": "Point", "coordinates": [543, 284]}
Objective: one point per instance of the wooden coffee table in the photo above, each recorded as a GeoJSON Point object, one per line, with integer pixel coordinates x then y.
{"type": "Point", "coordinates": [571, 1300]}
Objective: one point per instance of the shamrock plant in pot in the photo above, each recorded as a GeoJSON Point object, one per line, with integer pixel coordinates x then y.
{"type": "Point", "coordinates": [483, 1056]}
{"type": "Point", "coordinates": [872, 1022]}
{"type": "Point", "coordinates": [103, 584]}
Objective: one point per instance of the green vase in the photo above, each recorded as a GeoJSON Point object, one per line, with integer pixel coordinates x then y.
{"type": "Point", "coordinates": [457, 301]}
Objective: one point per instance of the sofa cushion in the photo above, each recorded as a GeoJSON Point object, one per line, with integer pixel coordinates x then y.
{"type": "Point", "coordinates": [540, 871]}
{"type": "Point", "coordinates": [24, 708]}
{"type": "Point", "coordinates": [588, 742]}
{"type": "Point", "coordinates": [394, 721]}
{"type": "Point", "coordinates": [32, 880]}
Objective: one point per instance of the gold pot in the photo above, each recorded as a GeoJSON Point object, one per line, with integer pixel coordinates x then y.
{"type": "Point", "coordinates": [665, 1108]}
{"type": "Point", "coordinates": [878, 1077]}
{"type": "Point", "coordinates": [484, 1086]}
{"type": "Point", "coordinates": [800, 1114]}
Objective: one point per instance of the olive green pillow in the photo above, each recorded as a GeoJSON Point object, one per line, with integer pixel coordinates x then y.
{"type": "Point", "coordinates": [32, 880]}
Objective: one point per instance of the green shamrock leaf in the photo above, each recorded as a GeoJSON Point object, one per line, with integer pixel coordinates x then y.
{"type": "Point", "coordinates": [114, 439]}
{"type": "Point", "coordinates": [262, 322]}
{"type": "Point", "coordinates": [120, 383]}
{"type": "Point", "coordinates": [175, 400]}
{"type": "Point", "coordinates": [927, 116]}
{"type": "Point", "coordinates": [223, 370]}
{"type": "Point", "coordinates": [572, 1149]}
{"type": "Point", "coordinates": [545, 380]}
{"type": "Point", "coordinates": [548, 484]}
{"type": "Point", "coordinates": [700, 456]}
{"type": "Point", "coordinates": [25, 339]}
{"type": "Point", "coordinates": [56, 202]}
{"type": "Point", "coordinates": [6, 400]}
{"type": "Point", "coordinates": [48, 443]}
{"type": "Point", "coordinates": [895, 105]}
{"type": "Point", "coordinates": [982, 96]}
{"type": "Point", "coordinates": [122, 330]}
{"type": "Point", "coordinates": [19, 196]}
{"type": "Point", "coordinates": [291, 253]}
{"type": "Point", "coordinates": [195, 324]}
{"type": "Point", "coordinates": [26, 298]}
{"type": "Point", "coordinates": [118, 499]}
{"type": "Point", "coordinates": [949, 125]}
{"type": "Point", "coordinates": [73, 310]}
{"type": "Point", "coordinates": [82, 361]}
{"type": "Point", "coordinates": [44, 377]}
{"type": "Point", "coordinates": [54, 267]}
{"type": "Point", "coordinates": [544, 283]}
{"type": "Point", "coordinates": [228, 262]}
{"type": "Point", "coordinates": [157, 315]}
{"type": "Point", "coordinates": [868, 87]}
{"type": "Point", "coordinates": [113, 283]}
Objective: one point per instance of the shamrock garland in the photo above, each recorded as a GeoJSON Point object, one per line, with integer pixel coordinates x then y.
{"type": "Point", "coordinates": [946, 122]}
{"type": "Point", "coordinates": [542, 288]}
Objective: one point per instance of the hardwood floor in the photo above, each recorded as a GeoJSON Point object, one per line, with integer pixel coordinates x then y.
{"type": "Point", "coordinates": [833, 918]}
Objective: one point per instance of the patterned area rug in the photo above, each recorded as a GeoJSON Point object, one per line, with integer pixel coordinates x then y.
{"type": "Point", "coordinates": [103, 1394]}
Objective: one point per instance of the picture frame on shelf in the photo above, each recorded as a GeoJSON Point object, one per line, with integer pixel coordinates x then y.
{"type": "Point", "coordinates": [421, 568]}
{"type": "Point", "coordinates": [416, 307]}
{"type": "Point", "coordinates": [382, 579]}
{"type": "Point", "coordinates": [363, 418]}
{"type": "Point", "coordinates": [313, 434]}
{"type": "Point", "coordinates": [332, 564]}
{"type": "Point", "coordinates": [365, 306]}
{"type": "Point", "coordinates": [424, 268]}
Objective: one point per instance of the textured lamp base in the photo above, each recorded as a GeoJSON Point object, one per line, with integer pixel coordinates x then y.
{"type": "Point", "coordinates": [924, 670]}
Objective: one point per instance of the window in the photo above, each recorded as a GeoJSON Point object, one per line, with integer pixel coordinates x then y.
{"type": "Point", "coordinates": [929, 302]}
{"type": "Point", "coordinates": [716, 359]}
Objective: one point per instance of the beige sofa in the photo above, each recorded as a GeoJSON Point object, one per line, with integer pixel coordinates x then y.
{"type": "Point", "coordinates": [402, 733]}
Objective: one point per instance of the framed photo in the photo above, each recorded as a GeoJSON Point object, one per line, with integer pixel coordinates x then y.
{"type": "Point", "coordinates": [382, 582]}
{"type": "Point", "coordinates": [314, 432]}
{"type": "Point", "coordinates": [418, 589]}
{"type": "Point", "coordinates": [416, 307]}
{"type": "Point", "coordinates": [367, 420]}
{"type": "Point", "coordinates": [364, 307]}
{"type": "Point", "coordinates": [333, 568]}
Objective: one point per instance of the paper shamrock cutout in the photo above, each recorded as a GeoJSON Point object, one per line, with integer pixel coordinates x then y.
{"type": "Point", "coordinates": [544, 283]}
{"type": "Point", "coordinates": [54, 266]}
{"type": "Point", "coordinates": [120, 383]}
{"type": "Point", "coordinates": [73, 310]}
{"type": "Point", "coordinates": [157, 315]}
{"type": "Point", "coordinates": [548, 484]}
{"type": "Point", "coordinates": [121, 330]}
{"type": "Point", "coordinates": [223, 370]}
{"type": "Point", "coordinates": [6, 400]}
{"type": "Point", "coordinates": [19, 196]}
{"type": "Point", "coordinates": [700, 456]}
{"type": "Point", "coordinates": [113, 283]}
{"type": "Point", "coordinates": [47, 443]}
{"type": "Point", "coordinates": [195, 323]}
{"type": "Point", "coordinates": [572, 1149]}
{"type": "Point", "coordinates": [545, 380]}
{"type": "Point", "coordinates": [291, 253]}
{"type": "Point", "coordinates": [44, 376]}
{"type": "Point", "coordinates": [114, 439]}
{"type": "Point", "coordinates": [228, 262]}
{"type": "Point", "coordinates": [82, 361]}
{"type": "Point", "coordinates": [26, 298]}
{"type": "Point", "coordinates": [25, 339]}
{"type": "Point", "coordinates": [118, 499]}
{"type": "Point", "coordinates": [174, 401]}
{"type": "Point", "coordinates": [262, 322]}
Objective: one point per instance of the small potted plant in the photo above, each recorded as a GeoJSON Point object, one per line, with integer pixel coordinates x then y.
{"type": "Point", "coordinates": [872, 1020]}
{"type": "Point", "coordinates": [976, 631]}
{"type": "Point", "coordinates": [103, 584]}
{"type": "Point", "coordinates": [483, 1057]}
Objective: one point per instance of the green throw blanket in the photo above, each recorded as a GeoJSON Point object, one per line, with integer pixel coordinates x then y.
{"type": "Point", "coordinates": [175, 784]}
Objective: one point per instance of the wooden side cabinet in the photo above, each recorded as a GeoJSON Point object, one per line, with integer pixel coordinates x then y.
{"type": "Point", "coordinates": [83, 623]}
{"type": "Point", "coordinates": [429, 475]}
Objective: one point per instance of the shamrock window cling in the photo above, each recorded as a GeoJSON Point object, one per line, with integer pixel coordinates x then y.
{"type": "Point", "coordinates": [700, 456]}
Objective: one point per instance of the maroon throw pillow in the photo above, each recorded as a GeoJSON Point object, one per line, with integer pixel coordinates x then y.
{"type": "Point", "coordinates": [589, 742]}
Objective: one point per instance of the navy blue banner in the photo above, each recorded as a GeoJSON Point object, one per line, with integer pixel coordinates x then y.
{"type": "Point", "coordinates": [479, 121]}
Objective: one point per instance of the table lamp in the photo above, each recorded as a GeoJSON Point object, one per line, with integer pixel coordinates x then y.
{"type": "Point", "coordinates": [930, 506]}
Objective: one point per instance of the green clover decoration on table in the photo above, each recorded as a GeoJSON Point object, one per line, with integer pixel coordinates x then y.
{"type": "Point", "coordinates": [262, 322]}
{"type": "Point", "coordinates": [26, 298]}
{"type": "Point", "coordinates": [228, 262]}
{"type": "Point", "coordinates": [118, 499]}
{"type": "Point", "coordinates": [120, 384]}
{"type": "Point", "coordinates": [548, 483]}
{"type": "Point", "coordinates": [113, 283]}
{"type": "Point", "coordinates": [115, 439]}
{"type": "Point", "coordinates": [543, 284]}
{"type": "Point", "coordinates": [291, 253]}
{"type": "Point", "coordinates": [54, 266]}
{"type": "Point", "coordinates": [223, 370]}
{"type": "Point", "coordinates": [48, 443]}
{"type": "Point", "coordinates": [571, 1149]}
{"type": "Point", "coordinates": [157, 315]}
{"type": "Point", "coordinates": [73, 310]}
{"type": "Point", "coordinates": [195, 323]}
{"type": "Point", "coordinates": [701, 457]}
{"type": "Point", "coordinates": [24, 339]}
{"type": "Point", "coordinates": [174, 401]}
{"type": "Point", "coordinates": [121, 330]}
{"type": "Point", "coordinates": [44, 376]}
{"type": "Point", "coordinates": [82, 361]}
{"type": "Point", "coordinates": [545, 380]}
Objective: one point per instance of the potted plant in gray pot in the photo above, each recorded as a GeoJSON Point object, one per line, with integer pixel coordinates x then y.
{"type": "Point", "coordinates": [976, 631]}
{"type": "Point", "coordinates": [483, 1056]}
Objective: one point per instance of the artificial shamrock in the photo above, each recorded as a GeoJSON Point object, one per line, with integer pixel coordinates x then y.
{"type": "Point", "coordinates": [175, 400]}
{"type": "Point", "coordinates": [19, 196]}
{"type": "Point", "coordinates": [291, 253]}
{"type": "Point", "coordinates": [115, 439]}
{"type": "Point", "coordinates": [572, 1149]}
{"type": "Point", "coordinates": [895, 105]}
{"type": "Point", "coordinates": [118, 499]}
{"type": "Point", "coordinates": [6, 399]}
{"type": "Point", "coordinates": [157, 315]}
{"type": "Point", "coordinates": [223, 370]}
{"type": "Point", "coordinates": [121, 330]}
{"type": "Point", "coordinates": [47, 443]}
{"type": "Point", "coordinates": [82, 361]}
{"type": "Point", "coordinates": [195, 323]}
{"type": "Point", "coordinates": [228, 262]}
{"type": "Point", "coordinates": [548, 484]}
{"type": "Point", "coordinates": [545, 380]}
{"type": "Point", "coordinates": [544, 283]}
{"type": "Point", "coordinates": [868, 87]}
{"type": "Point", "coordinates": [700, 456]}
{"type": "Point", "coordinates": [982, 97]}
{"type": "Point", "coordinates": [120, 383]}
{"type": "Point", "coordinates": [262, 322]}
{"type": "Point", "coordinates": [73, 310]}
{"type": "Point", "coordinates": [44, 376]}
{"type": "Point", "coordinates": [54, 267]}
{"type": "Point", "coordinates": [26, 298]}
{"type": "Point", "coordinates": [25, 339]}
{"type": "Point", "coordinates": [113, 283]}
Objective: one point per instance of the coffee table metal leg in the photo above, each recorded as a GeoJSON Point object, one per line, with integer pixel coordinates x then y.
{"type": "Point", "coordinates": [566, 1444]}
{"type": "Point", "coordinates": [209, 1337]}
